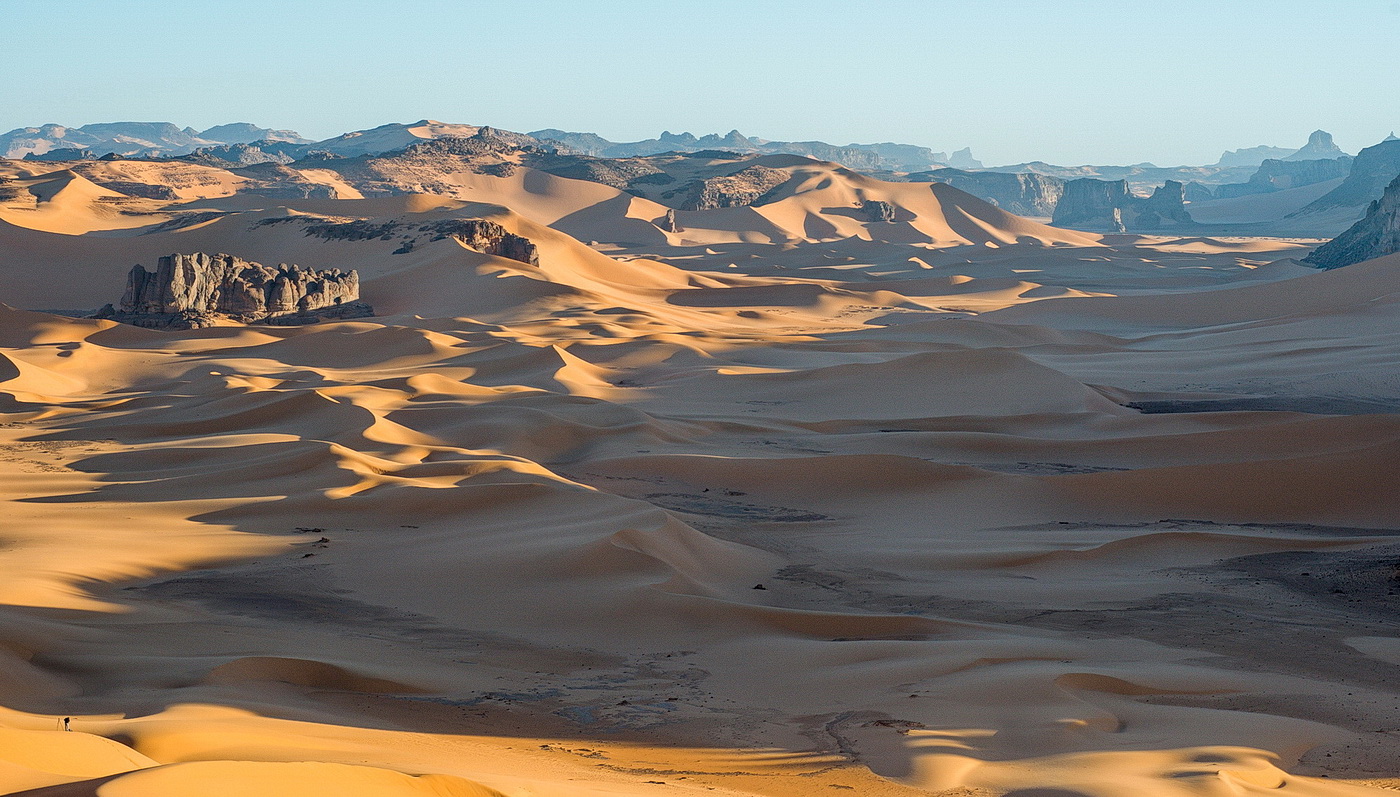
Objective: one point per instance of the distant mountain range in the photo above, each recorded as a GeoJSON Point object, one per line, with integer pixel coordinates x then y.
{"type": "Point", "coordinates": [134, 139]}
{"type": "Point", "coordinates": [163, 139]}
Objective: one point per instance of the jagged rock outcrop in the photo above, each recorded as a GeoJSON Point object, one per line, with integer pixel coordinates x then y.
{"type": "Point", "coordinates": [740, 189]}
{"type": "Point", "coordinates": [488, 238]}
{"type": "Point", "coordinates": [962, 159]}
{"type": "Point", "coordinates": [1281, 175]}
{"type": "Point", "coordinates": [1376, 235]}
{"type": "Point", "coordinates": [276, 181]}
{"type": "Point", "coordinates": [877, 210]}
{"type": "Point", "coordinates": [1025, 194]}
{"type": "Point", "coordinates": [189, 291]}
{"type": "Point", "coordinates": [235, 155]}
{"type": "Point", "coordinates": [1108, 205]}
{"type": "Point", "coordinates": [1371, 171]}
{"type": "Point", "coordinates": [668, 223]}
{"type": "Point", "coordinates": [1165, 208]}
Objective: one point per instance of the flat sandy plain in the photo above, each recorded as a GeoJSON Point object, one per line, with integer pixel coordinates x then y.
{"type": "Point", "coordinates": [785, 503]}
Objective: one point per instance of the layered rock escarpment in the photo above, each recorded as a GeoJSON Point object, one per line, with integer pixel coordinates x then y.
{"type": "Point", "coordinates": [1376, 235]}
{"type": "Point", "coordinates": [1371, 171]}
{"type": "Point", "coordinates": [1281, 175]}
{"type": "Point", "coordinates": [1022, 193]}
{"type": "Point", "coordinates": [742, 188]}
{"type": "Point", "coordinates": [190, 291]}
{"type": "Point", "coordinates": [1108, 205]}
{"type": "Point", "coordinates": [1095, 204]}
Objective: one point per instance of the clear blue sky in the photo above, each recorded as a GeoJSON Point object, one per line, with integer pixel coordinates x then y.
{"type": "Point", "coordinates": [1068, 81]}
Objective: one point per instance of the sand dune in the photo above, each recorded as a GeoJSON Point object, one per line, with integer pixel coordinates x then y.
{"type": "Point", "coordinates": [777, 500]}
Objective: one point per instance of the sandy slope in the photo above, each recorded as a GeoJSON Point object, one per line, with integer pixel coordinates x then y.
{"type": "Point", "coordinates": [786, 503]}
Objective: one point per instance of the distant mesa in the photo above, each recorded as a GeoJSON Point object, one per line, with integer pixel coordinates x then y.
{"type": "Point", "coordinates": [1280, 175]}
{"type": "Point", "coordinates": [1108, 205]}
{"type": "Point", "coordinates": [191, 291]}
{"type": "Point", "coordinates": [1252, 156]}
{"type": "Point", "coordinates": [1319, 147]}
{"type": "Point", "coordinates": [1376, 235]}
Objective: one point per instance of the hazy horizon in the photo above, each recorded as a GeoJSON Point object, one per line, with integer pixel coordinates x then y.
{"type": "Point", "coordinates": [1017, 80]}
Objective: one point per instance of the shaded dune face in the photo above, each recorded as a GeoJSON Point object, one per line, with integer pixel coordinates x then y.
{"type": "Point", "coordinates": [808, 496]}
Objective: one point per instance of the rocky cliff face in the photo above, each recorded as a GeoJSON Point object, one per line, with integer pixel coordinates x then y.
{"type": "Point", "coordinates": [1371, 171]}
{"type": "Point", "coordinates": [189, 291]}
{"type": "Point", "coordinates": [1376, 235]}
{"type": "Point", "coordinates": [1108, 205]}
{"type": "Point", "coordinates": [742, 188]}
{"type": "Point", "coordinates": [1093, 204]}
{"type": "Point", "coordinates": [1025, 194]}
{"type": "Point", "coordinates": [1281, 175]}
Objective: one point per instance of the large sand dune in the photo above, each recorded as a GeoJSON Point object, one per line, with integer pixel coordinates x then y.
{"type": "Point", "coordinates": [782, 501]}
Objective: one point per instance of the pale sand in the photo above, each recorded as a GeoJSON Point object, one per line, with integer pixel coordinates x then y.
{"type": "Point", "coordinates": [504, 538]}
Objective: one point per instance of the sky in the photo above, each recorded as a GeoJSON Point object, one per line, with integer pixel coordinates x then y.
{"type": "Point", "coordinates": [1065, 81]}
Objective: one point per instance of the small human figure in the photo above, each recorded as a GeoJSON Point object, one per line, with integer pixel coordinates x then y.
{"type": "Point", "coordinates": [66, 723]}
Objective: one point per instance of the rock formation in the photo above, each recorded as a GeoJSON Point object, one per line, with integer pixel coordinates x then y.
{"type": "Point", "coordinates": [1371, 171]}
{"type": "Point", "coordinates": [1025, 194]}
{"type": "Point", "coordinates": [1320, 146]}
{"type": "Point", "coordinates": [189, 291]}
{"type": "Point", "coordinates": [488, 238]}
{"type": "Point", "coordinates": [1281, 175]}
{"type": "Point", "coordinates": [1108, 205]}
{"type": "Point", "coordinates": [742, 188]}
{"type": "Point", "coordinates": [1165, 208]}
{"type": "Point", "coordinates": [1252, 156]}
{"type": "Point", "coordinates": [962, 159]}
{"type": "Point", "coordinates": [1093, 204]}
{"type": "Point", "coordinates": [877, 210]}
{"type": "Point", "coordinates": [1376, 235]}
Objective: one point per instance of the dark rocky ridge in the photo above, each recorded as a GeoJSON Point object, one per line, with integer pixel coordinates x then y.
{"type": "Point", "coordinates": [190, 291]}
{"type": "Point", "coordinates": [481, 235]}
{"type": "Point", "coordinates": [1376, 235]}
